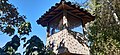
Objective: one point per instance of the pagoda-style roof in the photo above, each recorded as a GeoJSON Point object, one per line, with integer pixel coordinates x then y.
{"type": "Point", "coordinates": [75, 15]}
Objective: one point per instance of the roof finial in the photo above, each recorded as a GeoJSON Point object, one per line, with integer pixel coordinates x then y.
{"type": "Point", "coordinates": [63, 1]}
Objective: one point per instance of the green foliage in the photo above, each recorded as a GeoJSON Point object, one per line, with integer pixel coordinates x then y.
{"type": "Point", "coordinates": [34, 46]}
{"type": "Point", "coordinates": [10, 19]}
{"type": "Point", "coordinates": [93, 5]}
{"type": "Point", "coordinates": [104, 32]}
{"type": "Point", "coordinates": [17, 54]}
{"type": "Point", "coordinates": [24, 28]}
{"type": "Point", "coordinates": [11, 47]}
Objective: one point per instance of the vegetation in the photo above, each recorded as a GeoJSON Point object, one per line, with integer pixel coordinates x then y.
{"type": "Point", "coordinates": [104, 31]}
{"type": "Point", "coordinates": [11, 21]}
{"type": "Point", "coordinates": [34, 46]}
{"type": "Point", "coordinates": [11, 47]}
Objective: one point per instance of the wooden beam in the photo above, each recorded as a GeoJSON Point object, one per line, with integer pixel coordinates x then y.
{"type": "Point", "coordinates": [80, 13]}
{"type": "Point", "coordinates": [73, 15]}
{"type": "Point", "coordinates": [55, 16]}
{"type": "Point", "coordinates": [68, 7]}
{"type": "Point", "coordinates": [83, 25]}
{"type": "Point", "coordinates": [54, 12]}
{"type": "Point", "coordinates": [59, 7]}
{"type": "Point", "coordinates": [47, 16]}
{"type": "Point", "coordinates": [50, 12]}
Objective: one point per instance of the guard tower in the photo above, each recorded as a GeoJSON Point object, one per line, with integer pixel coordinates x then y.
{"type": "Point", "coordinates": [63, 17]}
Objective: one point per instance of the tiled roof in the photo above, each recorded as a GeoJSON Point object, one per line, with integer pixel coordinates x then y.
{"type": "Point", "coordinates": [57, 11]}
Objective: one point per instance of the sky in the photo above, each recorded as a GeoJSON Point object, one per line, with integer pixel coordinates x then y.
{"type": "Point", "coordinates": [33, 10]}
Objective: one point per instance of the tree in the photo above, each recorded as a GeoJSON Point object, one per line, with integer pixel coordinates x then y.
{"type": "Point", "coordinates": [104, 32]}
{"type": "Point", "coordinates": [10, 20]}
{"type": "Point", "coordinates": [11, 47]}
{"type": "Point", "coordinates": [34, 46]}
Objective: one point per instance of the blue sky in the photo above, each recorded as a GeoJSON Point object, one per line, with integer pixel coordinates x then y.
{"type": "Point", "coordinates": [32, 9]}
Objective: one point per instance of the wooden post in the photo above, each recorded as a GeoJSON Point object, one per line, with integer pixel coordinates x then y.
{"type": "Point", "coordinates": [83, 30]}
{"type": "Point", "coordinates": [48, 31]}
{"type": "Point", "coordinates": [53, 31]}
{"type": "Point", "coordinates": [83, 25]}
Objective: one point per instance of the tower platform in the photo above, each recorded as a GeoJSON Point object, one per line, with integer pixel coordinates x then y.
{"type": "Point", "coordinates": [67, 42]}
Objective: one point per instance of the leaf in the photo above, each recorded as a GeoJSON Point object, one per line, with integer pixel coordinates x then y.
{"type": "Point", "coordinates": [24, 39]}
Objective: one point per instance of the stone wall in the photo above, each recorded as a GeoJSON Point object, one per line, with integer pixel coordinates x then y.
{"type": "Point", "coordinates": [67, 41]}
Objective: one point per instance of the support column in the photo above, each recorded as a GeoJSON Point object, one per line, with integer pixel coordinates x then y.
{"type": "Point", "coordinates": [83, 25]}
{"type": "Point", "coordinates": [83, 30]}
{"type": "Point", "coordinates": [53, 31]}
{"type": "Point", "coordinates": [48, 31]}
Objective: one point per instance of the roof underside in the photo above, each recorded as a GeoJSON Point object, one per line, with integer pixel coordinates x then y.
{"type": "Point", "coordinates": [75, 15]}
